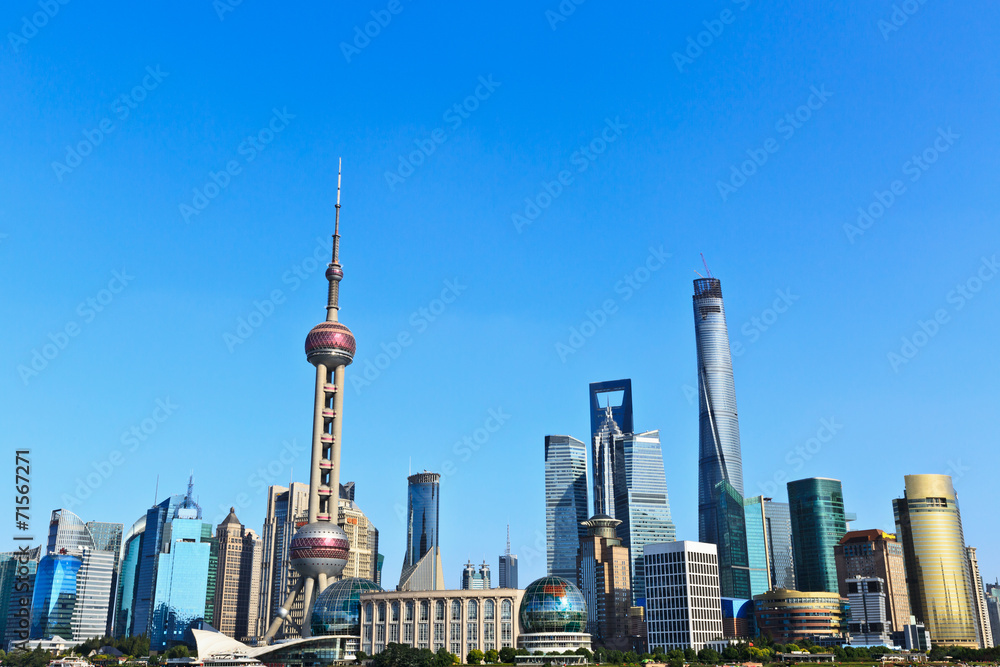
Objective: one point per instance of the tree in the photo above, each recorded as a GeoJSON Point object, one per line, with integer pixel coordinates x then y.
{"type": "Point", "coordinates": [179, 651]}
{"type": "Point", "coordinates": [585, 653]}
{"type": "Point", "coordinates": [690, 655]}
{"type": "Point", "coordinates": [731, 653]}
{"type": "Point", "coordinates": [507, 655]}
{"type": "Point", "coordinates": [709, 656]}
{"type": "Point", "coordinates": [492, 656]}
{"type": "Point", "coordinates": [475, 657]}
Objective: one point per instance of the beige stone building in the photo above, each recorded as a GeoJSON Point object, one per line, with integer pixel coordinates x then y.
{"type": "Point", "coordinates": [237, 589]}
{"type": "Point", "coordinates": [458, 620]}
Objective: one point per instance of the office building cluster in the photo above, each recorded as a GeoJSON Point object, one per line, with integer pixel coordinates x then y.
{"type": "Point", "coordinates": [311, 582]}
{"type": "Point", "coordinates": [790, 569]}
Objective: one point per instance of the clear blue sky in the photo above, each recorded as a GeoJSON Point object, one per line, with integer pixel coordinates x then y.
{"type": "Point", "coordinates": [659, 131]}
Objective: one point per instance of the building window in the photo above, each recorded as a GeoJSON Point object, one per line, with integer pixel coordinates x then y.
{"type": "Point", "coordinates": [425, 610]}
{"type": "Point", "coordinates": [394, 632]}
{"type": "Point", "coordinates": [409, 612]}
{"type": "Point", "coordinates": [408, 634]}
{"type": "Point", "coordinates": [472, 634]}
{"type": "Point", "coordinates": [489, 610]}
{"type": "Point", "coordinates": [439, 634]}
{"type": "Point", "coordinates": [395, 613]}
{"type": "Point", "coordinates": [456, 611]}
{"type": "Point", "coordinates": [506, 635]}
{"type": "Point", "coordinates": [505, 608]}
{"type": "Point", "coordinates": [473, 610]}
{"type": "Point", "coordinates": [381, 612]}
{"type": "Point", "coordinates": [456, 648]}
{"type": "Point", "coordinates": [456, 632]}
{"type": "Point", "coordinates": [439, 610]}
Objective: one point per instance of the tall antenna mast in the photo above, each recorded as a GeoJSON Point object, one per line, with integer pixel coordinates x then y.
{"type": "Point", "coordinates": [705, 263]}
{"type": "Point", "coordinates": [508, 538]}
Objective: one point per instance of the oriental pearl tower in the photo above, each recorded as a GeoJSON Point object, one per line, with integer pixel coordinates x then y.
{"type": "Point", "coordinates": [318, 551]}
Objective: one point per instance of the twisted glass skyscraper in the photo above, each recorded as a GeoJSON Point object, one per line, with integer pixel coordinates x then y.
{"type": "Point", "coordinates": [719, 456]}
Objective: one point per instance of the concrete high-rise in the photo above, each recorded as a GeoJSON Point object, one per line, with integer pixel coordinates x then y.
{"type": "Point", "coordinates": [683, 604]}
{"type": "Point", "coordinates": [816, 507]}
{"type": "Point", "coordinates": [507, 572]}
{"type": "Point", "coordinates": [277, 578]}
{"type": "Point", "coordinates": [719, 458]}
{"type": "Point", "coordinates": [565, 503]}
{"type": "Point", "coordinates": [363, 561]}
{"type": "Point", "coordinates": [873, 553]}
{"type": "Point", "coordinates": [319, 550]}
{"type": "Point", "coordinates": [422, 562]}
{"type": "Point", "coordinates": [641, 501]}
{"type": "Point", "coordinates": [603, 567]}
{"type": "Point", "coordinates": [929, 525]}
{"type": "Point", "coordinates": [237, 589]}
{"type": "Point", "coordinates": [868, 620]}
{"type": "Point", "coordinates": [983, 627]}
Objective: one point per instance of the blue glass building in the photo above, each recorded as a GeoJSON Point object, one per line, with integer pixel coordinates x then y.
{"type": "Point", "coordinates": [125, 603]}
{"type": "Point", "coordinates": [719, 457]}
{"type": "Point", "coordinates": [778, 524]}
{"type": "Point", "coordinates": [757, 551]}
{"type": "Point", "coordinates": [54, 597]}
{"type": "Point", "coordinates": [565, 503]}
{"type": "Point", "coordinates": [423, 506]}
{"type": "Point", "coordinates": [641, 502]}
{"type": "Point", "coordinates": [734, 563]}
{"type": "Point", "coordinates": [182, 582]}
{"type": "Point", "coordinates": [818, 522]}
{"type": "Point", "coordinates": [610, 418]}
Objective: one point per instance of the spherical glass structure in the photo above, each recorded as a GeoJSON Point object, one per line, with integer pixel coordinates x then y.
{"type": "Point", "coordinates": [553, 604]}
{"type": "Point", "coordinates": [319, 548]}
{"type": "Point", "coordinates": [337, 610]}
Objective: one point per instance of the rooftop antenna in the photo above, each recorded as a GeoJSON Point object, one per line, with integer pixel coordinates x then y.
{"type": "Point", "coordinates": [698, 274]}
{"type": "Point", "coordinates": [156, 490]}
{"type": "Point", "coordinates": [508, 537]}
{"type": "Point", "coordinates": [705, 263]}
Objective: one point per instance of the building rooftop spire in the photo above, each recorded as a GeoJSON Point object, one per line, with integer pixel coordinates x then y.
{"type": "Point", "coordinates": [334, 271]}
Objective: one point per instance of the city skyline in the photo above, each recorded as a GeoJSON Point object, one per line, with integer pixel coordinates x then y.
{"type": "Point", "coordinates": [851, 331]}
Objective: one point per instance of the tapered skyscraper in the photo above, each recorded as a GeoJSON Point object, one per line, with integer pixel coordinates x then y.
{"type": "Point", "coordinates": [719, 456]}
{"type": "Point", "coordinates": [319, 550]}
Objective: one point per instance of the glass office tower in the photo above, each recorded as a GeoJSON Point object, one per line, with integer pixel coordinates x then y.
{"type": "Point", "coordinates": [423, 500]}
{"type": "Point", "coordinates": [816, 508]}
{"type": "Point", "coordinates": [17, 586]}
{"type": "Point", "coordinates": [182, 582]}
{"type": "Point", "coordinates": [54, 597]}
{"type": "Point", "coordinates": [125, 604]}
{"type": "Point", "coordinates": [929, 525]}
{"type": "Point", "coordinates": [565, 503]}
{"type": "Point", "coordinates": [719, 458]}
{"type": "Point", "coordinates": [778, 529]}
{"type": "Point", "coordinates": [734, 563]}
{"type": "Point", "coordinates": [757, 547]}
{"type": "Point", "coordinates": [610, 418]}
{"type": "Point", "coordinates": [641, 502]}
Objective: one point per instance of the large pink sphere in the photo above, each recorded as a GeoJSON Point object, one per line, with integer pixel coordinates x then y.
{"type": "Point", "coordinates": [331, 344]}
{"type": "Point", "coordinates": [319, 548]}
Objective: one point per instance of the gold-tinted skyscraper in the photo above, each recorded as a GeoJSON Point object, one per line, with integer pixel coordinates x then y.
{"type": "Point", "coordinates": [929, 525]}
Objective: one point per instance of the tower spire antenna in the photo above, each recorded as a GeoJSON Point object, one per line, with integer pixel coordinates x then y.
{"type": "Point", "coordinates": [334, 271]}
{"type": "Point", "coordinates": [705, 263]}
{"type": "Point", "coordinates": [508, 538]}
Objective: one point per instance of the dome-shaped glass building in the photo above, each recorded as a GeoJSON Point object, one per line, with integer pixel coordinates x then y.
{"type": "Point", "coordinates": [337, 610]}
{"type": "Point", "coordinates": [553, 604]}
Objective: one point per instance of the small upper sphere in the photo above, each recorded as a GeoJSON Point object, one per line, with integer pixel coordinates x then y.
{"type": "Point", "coordinates": [553, 604]}
{"type": "Point", "coordinates": [319, 548]}
{"type": "Point", "coordinates": [334, 272]}
{"type": "Point", "coordinates": [337, 610]}
{"type": "Point", "coordinates": [331, 344]}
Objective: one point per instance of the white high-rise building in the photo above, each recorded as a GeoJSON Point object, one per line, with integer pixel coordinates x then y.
{"type": "Point", "coordinates": [983, 627]}
{"type": "Point", "coordinates": [683, 601]}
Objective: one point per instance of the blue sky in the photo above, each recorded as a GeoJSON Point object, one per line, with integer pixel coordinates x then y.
{"type": "Point", "coordinates": [750, 131]}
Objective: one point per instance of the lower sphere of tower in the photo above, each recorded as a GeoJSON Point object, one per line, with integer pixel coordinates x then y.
{"type": "Point", "coordinates": [319, 548]}
{"type": "Point", "coordinates": [331, 344]}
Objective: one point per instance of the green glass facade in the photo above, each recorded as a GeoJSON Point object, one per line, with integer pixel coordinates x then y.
{"type": "Point", "coordinates": [757, 551]}
{"type": "Point", "coordinates": [816, 508]}
{"type": "Point", "coordinates": [730, 521]}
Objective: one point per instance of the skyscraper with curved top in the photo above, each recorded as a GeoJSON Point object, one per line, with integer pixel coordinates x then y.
{"type": "Point", "coordinates": [719, 456]}
{"type": "Point", "coordinates": [422, 562]}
